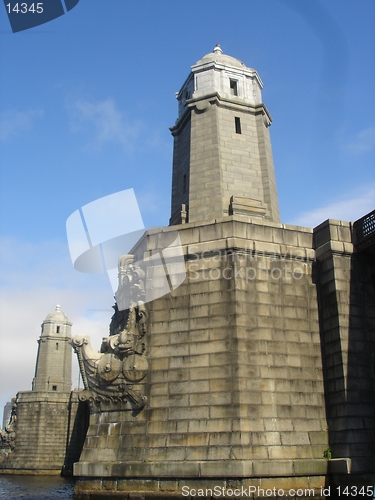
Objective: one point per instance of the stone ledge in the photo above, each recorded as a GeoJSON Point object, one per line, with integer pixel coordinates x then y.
{"type": "Point", "coordinates": [229, 219]}
{"type": "Point", "coordinates": [31, 472]}
{"type": "Point", "coordinates": [339, 466]}
{"type": "Point", "coordinates": [155, 488]}
{"type": "Point", "coordinates": [42, 397]}
{"type": "Point", "coordinates": [334, 247]}
{"type": "Point", "coordinates": [214, 468]}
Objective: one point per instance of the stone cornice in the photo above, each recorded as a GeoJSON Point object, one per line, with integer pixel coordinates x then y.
{"type": "Point", "coordinates": [249, 72]}
{"type": "Point", "coordinates": [334, 248]}
{"type": "Point", "coordinates": [234, 103]}
{"type": "Point", "coordinates": [60, 338]}
{"type": "Point", "coordinates": [180, 123]}
{"type": "Point", "coordinates": [215, 98]}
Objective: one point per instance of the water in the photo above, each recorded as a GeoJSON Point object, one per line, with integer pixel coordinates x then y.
{"type": "Point", "coordinates": [36, 487]}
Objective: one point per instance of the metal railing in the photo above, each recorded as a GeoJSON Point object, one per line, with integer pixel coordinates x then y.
{"type": "Point", "coordinates": [364, 228]}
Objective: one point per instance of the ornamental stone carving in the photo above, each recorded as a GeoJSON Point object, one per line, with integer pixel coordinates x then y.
{"type": "Point", "coordinates": [112, 377]}
{"type": "Point", "coordinates": [8, 435]}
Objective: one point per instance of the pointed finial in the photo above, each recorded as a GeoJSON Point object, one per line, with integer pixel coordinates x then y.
{"type": "Point", "coordinates": [217, 49]}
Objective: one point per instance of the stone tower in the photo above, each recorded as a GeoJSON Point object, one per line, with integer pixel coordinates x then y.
{"type": "Point", "coordinates": [53, 371]}
{"type": "Point", "coordinates": [47, 425]}
{"type": "Point", "coordinates": [223, 382]}
{"type": "Point", "coordinates": [222, 162]}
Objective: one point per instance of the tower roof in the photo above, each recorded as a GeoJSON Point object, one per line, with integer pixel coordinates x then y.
{"type": "Point", "coordinates": [217, 56]}
{"type": "Point", "coordinates": [56, 316]}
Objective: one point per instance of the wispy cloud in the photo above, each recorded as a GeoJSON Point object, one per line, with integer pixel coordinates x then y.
{"type": "Point", "coordinates": [106, 121]}
{"type": "Point", "coordinates": [37, 277]}
{"type": "Point", "coordinates": [14, 122]}
{"type": "Point", "coordinates": [348, 208]}
{"type": "Point", "coordinates": [363, 141]}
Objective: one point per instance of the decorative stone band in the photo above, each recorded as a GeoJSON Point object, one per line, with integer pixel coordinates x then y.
{"type": "Point", "coordinates": [128, 401]}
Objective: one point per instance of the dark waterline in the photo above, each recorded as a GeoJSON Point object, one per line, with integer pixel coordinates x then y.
{"type": "Point", "coordinates": [36, 487]}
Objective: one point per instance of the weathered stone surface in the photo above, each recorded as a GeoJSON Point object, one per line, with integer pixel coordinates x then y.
{"type": "Point", "coordinates": [222, 150]}
{"type": "Point", "coordinates": [49, 433]}
{"type": "Point", "coordinates": [226, 384]}
{"type": "Point", "coordinates": [236, 381]}
{"type": "Point", "coordinates": [346, 294]}
{"type": "Point", "coordinates": [254, 488]}
{"type": "Point", "coordinates": [49, 423]}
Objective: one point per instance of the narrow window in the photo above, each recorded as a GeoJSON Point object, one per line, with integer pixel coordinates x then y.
{"type": "Point", "coordinates": [54, 387]}
{"type": "Point", "coordinates": [185, 183]}
{"type": "Point", "coordinates": [57, 329]}
{"type": "Point", "coordinates": [233, 87]}
{"type": "Point", "coordinates": [237, 124]}
{"type": "Point", "coordinates": [57, 346]}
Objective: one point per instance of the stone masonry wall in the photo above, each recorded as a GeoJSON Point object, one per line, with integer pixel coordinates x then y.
{"type": "Point", "coordinates": [50, 431]}
{"type": "Point", "coordinates": [181, 165]}
{"type": "Point", "coordinates": [54, 364]}
{"type": "Point", "coordinates": [41, 432]}
{"type": "Point", "coordinates": [266, 162]}
{"type": "Point", "coordinates": [347, 305]}
{"type": "Point", "coordinates": [205, 197]}
{"type": "Point", "coordinates": [76, 431]}
{"type": "Point", "coordinates": [235, 384]}
{"type": "Point", "coordinates": [246, 158]}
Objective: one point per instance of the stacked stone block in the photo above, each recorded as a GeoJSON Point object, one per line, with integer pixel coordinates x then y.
{"type": "Point", "coordinates": [261, 368]}
{"type": "Point", "coordinates": [221, 162]}
{"type": "Point", "coordinates": [40, 443]}
{"type": "Point", "coordinates": [222, 146]}
{"type": "Point", "coordinates": [347, 304]}
{"type": "Point", "coordinates": [49, 433]}
{"type": "Point", "coordinates": [261, 362]}
{"type": "Point", "coordinates": [181, 166]}
{"type": "Point", "coordinates": [235, 385]}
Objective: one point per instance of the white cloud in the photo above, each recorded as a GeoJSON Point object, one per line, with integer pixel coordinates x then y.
{"type": "Point", "coordinates": [346, 209]}
{"type": "Point", "coordinates": [108, 122]}
{"type": "Point", "coordinates": [363, 141]}
{"type": "Point", "coordinates": [13, 122]}
{"type": "Point", "coordinates": [36, 279]}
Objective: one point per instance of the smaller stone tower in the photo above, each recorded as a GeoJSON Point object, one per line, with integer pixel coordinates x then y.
{"type": "Point", "coordinates": [47, 425]}
{"type": "Point", "coordinates": [53, 371]}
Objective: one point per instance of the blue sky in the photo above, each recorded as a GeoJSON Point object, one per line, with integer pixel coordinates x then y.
{"type": "Point", "coordinates": [86, 103]}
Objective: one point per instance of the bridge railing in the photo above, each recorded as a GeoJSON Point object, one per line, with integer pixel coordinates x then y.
{"type": "Point", "coordinates": [364, 229]}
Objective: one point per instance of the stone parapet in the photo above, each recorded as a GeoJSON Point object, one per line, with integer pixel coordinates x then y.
{"type": "Point", "coordinates": [41, 432]}
{"type": "Point", "coordinates": [49, 433]}
{"type": "Point", "coordinates": [249, 233]}
{"type": "Point", "coordinates": [346, 297]}
{"type": "Point", "coordinates": [235, 383]}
